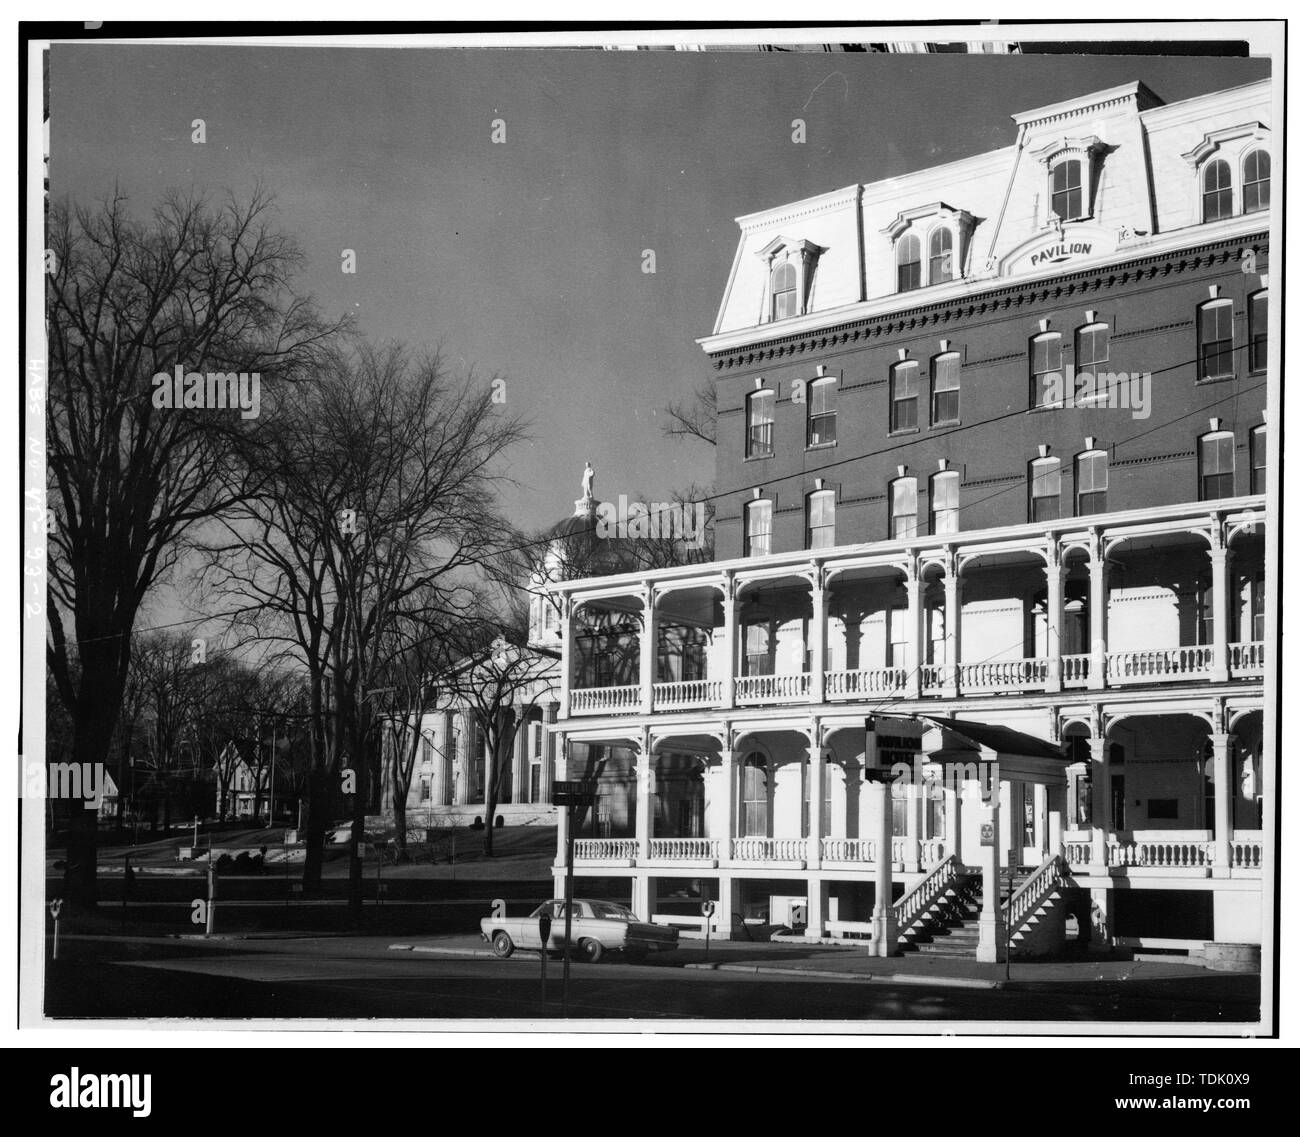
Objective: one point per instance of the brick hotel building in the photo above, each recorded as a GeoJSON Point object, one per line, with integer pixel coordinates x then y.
{"type": "Point", "coordinates": [940, 543]}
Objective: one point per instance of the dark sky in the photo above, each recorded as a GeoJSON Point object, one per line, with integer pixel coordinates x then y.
{"type": "Point", "coordinates": [524, 259]}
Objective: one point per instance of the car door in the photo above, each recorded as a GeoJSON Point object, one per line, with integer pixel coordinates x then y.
{"type": "Point", "coordinates": [529, 929]}
{"type": "Point", "coordinates": [581, 918]}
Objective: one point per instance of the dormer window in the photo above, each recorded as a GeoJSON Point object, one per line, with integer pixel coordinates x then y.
{"type": "Point", "coordinates": [1216, 191]}
{"type": "Point", "coordinates": [1067, 189]}
{"type": "Point", "coordinates": [909, 263]}
{"type": "Point", "coordinates": [1254, 181]}
{"type": "Point", "coordinates": [1073, 168]}
{"type": "Point", "coordinates": [930, 244]}
{"type": "Point", "coordinates": [791, 265]}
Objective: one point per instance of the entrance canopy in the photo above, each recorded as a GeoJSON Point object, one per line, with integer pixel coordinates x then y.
{"type": "Point", "coordinates": [1019, 756]}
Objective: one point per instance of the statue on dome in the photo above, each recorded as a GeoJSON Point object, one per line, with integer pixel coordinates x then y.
{"type": "Point", "coordinates": [588, 481]}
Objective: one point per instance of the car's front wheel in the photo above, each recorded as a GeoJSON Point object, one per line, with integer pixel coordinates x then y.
{"type": "Point", "coordinates": [591, 951]}
{"type": "Point", "coordinates": [503, 947]}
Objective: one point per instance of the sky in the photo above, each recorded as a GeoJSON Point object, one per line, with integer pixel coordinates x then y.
{"type": "Point", "coordinates": [524, 258]}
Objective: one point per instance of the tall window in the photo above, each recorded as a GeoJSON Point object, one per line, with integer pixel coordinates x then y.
{"type": "Point", "coordinates": [902, 507]}
{"type": "Point", "coordinates": [1214, 339]}
{"type": "Point", "coordinates": [1045, 489]}
{"type": "Point", "coordinates": [1204, 610]}
{"type": "Point", "coordinates": [753, 796]}
{"type": "Point", "coordinates": [945, 396]}
{"type": "Point", "coordinates": [1091, 477]}
{"type": "Point", "coordinates": [1216, 191]}
{"type": "Point", "coordinates": [758, 423]}
{"type": "Point", "coordinates": [904, 382]}
{"type": "Point", "coordinates": [784, 291]}
{"type": "Point", "coordinates": [1045, 369]}
{"type": "Point", "coordinates": [941, 255]}
{"type": "Point", "coordinates": [945, 500]}
{"type": "Point", "coordinates": [1258, 459]}
{"type": "Point", "coordinates": [909, 262]}
{"type": "Point", "coordinates": [1218, 458]}
{"type": "Point", "coordinates": [821, 412]}
{"type": "Point", "coordinates": [821, 519]}
{"type": "Point", "coordinates": [1255, 179]}
{"type": "Point", "coordinates": [1067, 189]}
{"type": "Point", "coordinates": [426, 790]}
{"type": "Point", "coordinates": [758, 528]}
{"type": "Point", "coordinates": [1257, 310]}
{"type": "Point", "coordinates": [1091, 352]}
{"type": "Point", "coordinates": [1257, 608]}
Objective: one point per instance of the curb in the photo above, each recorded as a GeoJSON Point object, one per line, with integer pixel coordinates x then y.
{"type": "Point", "coordinates": [474, 953]}
{"type": "Point", "coordinates": [809, 973]}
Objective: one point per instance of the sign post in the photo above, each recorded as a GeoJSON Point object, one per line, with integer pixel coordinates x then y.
{"type": "Point", "coordinates": [544, 933]}
{"type": "Point", "coordinates": [56, 907]}
{"type": "Point", "coordinates": [706, 910]}
{"type": "Point", "coordinates": [569, 795]}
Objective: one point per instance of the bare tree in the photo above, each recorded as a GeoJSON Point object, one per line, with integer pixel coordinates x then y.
{"type": "Point", "coordinates": [198, 287]}
{"type": "Point", "coordinates": [377, 501]}
{"type": "Point", "coordinates": [500, 685]}
{"type": "Point", "coordinates": [697, 418]}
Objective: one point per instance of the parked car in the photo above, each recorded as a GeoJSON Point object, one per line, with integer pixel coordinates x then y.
{"type": "Point", "coordinates": [599, 926]}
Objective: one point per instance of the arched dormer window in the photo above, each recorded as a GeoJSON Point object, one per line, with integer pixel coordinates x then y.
{"type": "Point", "coordinates": [940, 255]}
{"type": "Point", "coordinates": [930, 244]}
{"type": "Point", "coordinates": [1067, 189]}
{"type": "Point", "coordinates": [791, 265]}
{"type": "Point", "coordinates": [1216, 191]}
{"type": "Point", "coordinates": [784, 291]}
{"type": "Point", "coordinates": [909, 262]}
{"type": "Point", "coordinates": [1255, 181]}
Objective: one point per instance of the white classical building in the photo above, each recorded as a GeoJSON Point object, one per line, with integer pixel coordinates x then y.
{"type": "Point", "coordinates": [978, 663]}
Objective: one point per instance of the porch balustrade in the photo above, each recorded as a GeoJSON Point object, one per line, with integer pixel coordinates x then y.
{"type": "Point", "coordinates": [684, 848]}
{"type": "Point", "coordinates": [605, 849]}
{"type": "Point", "coordinates": [1075, 670]}
{"type": "Point", "coordinates": [866, 681]}
{"type": "Point", "coordinates": [1164, 853]}
{"type": "Point", "coordinates": [688, 693]}
{"type": "Point", "coordinates": [768, 849]}
{"type": "Point", "coordinates": [1247, 849]}
{"type": "Point", "coordinates": [1159, 665]}
{"type": "Point", "coordinates": [1003, 675]}
{"type": "Point", "coordinates": [773, 688]}
{"type": "Point", "coordinates": [604, 700]}
{"type": "Point", "coordinates": [1246, 659]}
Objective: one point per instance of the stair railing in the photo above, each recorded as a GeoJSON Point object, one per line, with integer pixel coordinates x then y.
{"type": "Point", "coordinates": [916, 901]}
{"type": "Point", "coordinates": [1026, 899]}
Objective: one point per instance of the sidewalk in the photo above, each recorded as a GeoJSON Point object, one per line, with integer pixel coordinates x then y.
{"type": "Point", "coordinates": [853, 964]}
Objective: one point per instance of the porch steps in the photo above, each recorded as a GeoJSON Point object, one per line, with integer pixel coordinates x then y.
{"type": "Point", "coordinates": [950, 927]}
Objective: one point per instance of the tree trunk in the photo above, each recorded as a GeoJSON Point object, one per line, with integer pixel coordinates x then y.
{"type": "Point", "coordinates": [317, 804]}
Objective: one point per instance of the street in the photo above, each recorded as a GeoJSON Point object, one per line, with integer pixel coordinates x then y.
{"type": "Point", "coordinates": [360, 978]}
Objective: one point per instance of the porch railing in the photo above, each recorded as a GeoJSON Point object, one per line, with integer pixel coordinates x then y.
{"type": "Point", "coordinates": [866, 681]}
{"type": "Point", "coordinates": [1247, 849]}
{"type": "Point", "coordinates": [684, 848]}
{"type": "Point", "coordinates": [857, 849]}
{"type": "Point", "coordinates": [1159, 664]}
{"type": "Point", "coordinates": [593, 700]}
{"type": "Point", "coordinates": [1246, 659]}
{"type": "Point", "coordinates": [1078, 853]}
{"type": "Point", "coordinates": [1075, 670]}
{"type": "Point", "coordinates": [931, 677]}
{"type": "Point", "coordinates": [768, 849]}
{"type": "Point", "coordinates": [1006, 675]}
{"type": "Point", "coordinates": [1166, 853]}
{"type": "Point", "coordinates": [605, 849]}
{"type": "Point", "coordinates": [933, 851]}
{"type": "Point", "coordinates": [1027, 898]}
{"type": "Point", "coordinates": [916, 900]}
{"type": "Point", "coordinates": [768, 688]}
{"type": "Point", "coordinates": [688, 693]}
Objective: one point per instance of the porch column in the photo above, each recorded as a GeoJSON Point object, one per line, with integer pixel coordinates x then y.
{"type": "Point", "coordinates": [644, 790]}
{"type": "Point", "coordinates": [993, 932]}
{"type": "Point", "coordinates": [952, 823]}
{"type": "Point", "coordinates": [818, 902]}
{"type": "Point", "coordinates": [519, 756]}
{"type": "Point", "coordinates": [1042, 839]}
{"type": "Point", "coordinates": [951, 627]}
{"type": "Point", "coordinates": [1098, 601]}
{"type": "Point", "coordinates": [1223, 793]}
{"type": "Point", "coordinates": [466, 758]}
{"type": "Point", "coordinates": [561, 813]}
{"type": "Point", "coordinates": [1100, 799]}
{"type": "Point", "coordinates": [816, 804]}
{"type": "Point", "coordinates": [730, 762]}
{"type": "Point", "coordinates": [566, 653]}
{"type": "Point", "coordinates": [1055, 618]}
{"type": "Point", "coordinates": [817, 638]}
{"type": "Point", "coordinates": [445, 780]}
{"type": "Point", "coordinates": [1219, 560]}
{"type": "Point", "coordinates": [914, 812]}
{"type": "Point", "coordinates": [915, 640]}
{"type": "Point", "coordinates": [730, 612]}
{"type": "Point", "coordinates": [547, 780]}
{"type": "Point", "coordinates": [649, 648]}
{"type": "Point", "coordinates": [884, 922]}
